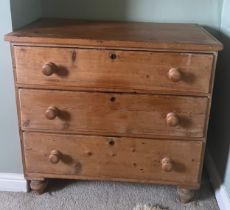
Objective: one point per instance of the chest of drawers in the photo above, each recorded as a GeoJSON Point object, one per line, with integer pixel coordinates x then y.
{"type": "Point", "coordinates": [113, 101]}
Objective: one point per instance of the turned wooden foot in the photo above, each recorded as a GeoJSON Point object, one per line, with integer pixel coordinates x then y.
{"type": "Point", "coordinates": [185, 195]}
{"type": "Point", "coordinates": [38, 186]}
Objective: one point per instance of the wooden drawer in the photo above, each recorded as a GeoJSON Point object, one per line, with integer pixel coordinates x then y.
{"type": "Point", "coordinates": [113, 114]}
{"type": "Point", "coordinates": [113, 70]}
{"type": "Point", "coordinates": [113, 158]}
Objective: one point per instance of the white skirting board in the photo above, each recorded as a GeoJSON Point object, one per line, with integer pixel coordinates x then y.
{"type": "Point", "coordinates": [221, 194]}
{"type": "Point", "coordinates": [12, 182]}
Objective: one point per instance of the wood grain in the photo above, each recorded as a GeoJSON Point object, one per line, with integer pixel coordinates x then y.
{"type": "Point", "coordinates": [113, 114]}
{"type": "Point", "coordinates": [129, 70]}
{"type": "Point", "coordinates": [103, 100]}
{"type": "Point", "coordinates": [171, 36]}
{"type": "Point", "coordinates": [126, 158]}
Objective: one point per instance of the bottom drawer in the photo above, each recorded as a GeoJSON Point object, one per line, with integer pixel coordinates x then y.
{"type": "Point", "coordinates": [112, 158]}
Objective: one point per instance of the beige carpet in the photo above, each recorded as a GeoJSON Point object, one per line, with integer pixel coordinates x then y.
{"type": "Point", "coordinates": [86, 195]}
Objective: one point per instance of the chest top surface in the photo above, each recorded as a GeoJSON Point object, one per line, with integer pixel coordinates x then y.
{"type": "Point", "coordinates": [153, 36]}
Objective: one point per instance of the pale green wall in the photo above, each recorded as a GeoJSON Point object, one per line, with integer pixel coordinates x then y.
{"type": "Point", "coordinates": [219, 138]}
{"type": "Point", "coordinates": [10, 160]}
{"type": "Point", "coordinates": [22, 11]}
{"type": "Point", "coordinates": [25, 11]}
{"type": "Point", "coordinates": [205, 12]}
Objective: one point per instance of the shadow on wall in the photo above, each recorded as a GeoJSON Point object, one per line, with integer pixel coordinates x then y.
{"type": "Point", "coordinates": [137, 10]}
{"type": "Point", "coordinates": [87, 9]}
{"type": "Point", "coordinates": [219, 128]}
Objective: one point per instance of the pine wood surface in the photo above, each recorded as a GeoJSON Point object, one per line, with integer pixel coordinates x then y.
{"type": "Point", "coordinates": [127, 70]}
{"type": "Point", "coordinates": [111, 100]}
{"type": "Point", "coordinates": [113, 114]}
{"type": "Point", "coordinates": [70, 32]}
{"type": "Point", "coordinates": [112, 157]}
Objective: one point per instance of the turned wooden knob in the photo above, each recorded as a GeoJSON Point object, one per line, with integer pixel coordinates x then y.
{"type": "Point", "coordinates": [51, 113]}
{"type": "Point", "coordinates": [49, 68]}
{"type": "Point", "coordinates": [172, 119]}
{"type": "Point", "coordinates": [166, 164]}
{"type": "Point", "coordinates": [54, 156]}
{"type": "Point", "coordinates": [174, 74]}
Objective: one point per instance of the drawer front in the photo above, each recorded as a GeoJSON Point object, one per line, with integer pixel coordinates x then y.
{"type": "Point", "coordinates": [113, 70]}
{"type": "Point", "coordinates": [113, 114]}
{"type": "Point", "coordinates": [121, 158]}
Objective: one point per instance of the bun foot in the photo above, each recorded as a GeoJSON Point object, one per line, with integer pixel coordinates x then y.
{"type": "Point", "coordinates": [38, 186]}
{"type": "Point", "coordinates": [185, 195]}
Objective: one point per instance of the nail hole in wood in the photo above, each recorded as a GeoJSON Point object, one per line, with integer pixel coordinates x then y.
{"type": "Point", "coordinates": [134, 164]}
{"type": "Point", "coordinates": [89, 153]}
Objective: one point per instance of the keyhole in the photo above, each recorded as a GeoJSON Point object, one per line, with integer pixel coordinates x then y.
{"type": "Point", "coordinates": [113, 56]}
{"type": "Point", "coordinates": [111, 142]}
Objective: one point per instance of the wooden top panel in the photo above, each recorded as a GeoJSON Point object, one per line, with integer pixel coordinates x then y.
{"type": "Point", "coordinates": [160, 36]}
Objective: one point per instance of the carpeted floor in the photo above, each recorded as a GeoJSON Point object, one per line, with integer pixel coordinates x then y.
{"type": "Point", "coordinates": [86, 195]}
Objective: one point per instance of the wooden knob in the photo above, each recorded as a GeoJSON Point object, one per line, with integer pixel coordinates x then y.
{"type": "Point", "coordinates": [49, 68]}
{"type": "Point", "coordinates": [172, 119]}
{"type": "Point", "coordinates": [166, 164]}
{"type": "Point", "coordinates": [174, 74]}
{"type": "Point", "coordinates": [54, 156]}
{"type": "Point", "coordinates": [51, 113]}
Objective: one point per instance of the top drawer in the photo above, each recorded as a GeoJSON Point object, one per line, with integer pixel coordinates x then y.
{"type": "Point", "coordinates": [113, 69]}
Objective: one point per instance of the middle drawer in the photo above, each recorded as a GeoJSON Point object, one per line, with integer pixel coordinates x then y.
{"type": "Point", "coordinates": [113, 114]}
